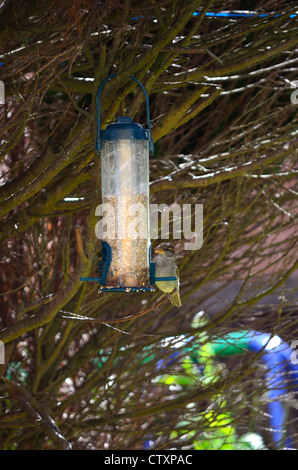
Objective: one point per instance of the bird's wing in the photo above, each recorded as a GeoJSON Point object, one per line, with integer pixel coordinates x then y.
{"type": "Point", "coordinates": [178, 275]}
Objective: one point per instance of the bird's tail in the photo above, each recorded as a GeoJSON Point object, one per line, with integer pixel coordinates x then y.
{"type": "Point", "coordinates": [175, 299]}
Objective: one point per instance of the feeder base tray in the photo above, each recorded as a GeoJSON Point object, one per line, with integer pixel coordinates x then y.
{"type": "Point", "coordinates": [125, 289]}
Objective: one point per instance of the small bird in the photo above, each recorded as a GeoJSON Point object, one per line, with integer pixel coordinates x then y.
{"type": "Point", "coordinates": [165, 267]}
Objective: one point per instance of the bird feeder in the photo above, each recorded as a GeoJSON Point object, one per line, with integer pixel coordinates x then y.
{"type": "Point", "coordinates": [124, 147]}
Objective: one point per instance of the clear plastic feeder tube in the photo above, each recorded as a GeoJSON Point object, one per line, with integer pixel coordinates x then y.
{"type": "Point", "coordinates": [125, 188]}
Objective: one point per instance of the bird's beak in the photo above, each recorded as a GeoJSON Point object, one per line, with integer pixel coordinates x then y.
{"type": "Point", "coordinates": [158, 250]}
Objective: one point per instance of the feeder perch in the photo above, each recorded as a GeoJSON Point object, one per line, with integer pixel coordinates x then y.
{"type": "Point", "coordinates": [124, 147]}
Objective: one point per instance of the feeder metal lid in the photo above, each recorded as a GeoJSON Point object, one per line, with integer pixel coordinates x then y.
{"type": "Point", "coordinates": [124, 128]}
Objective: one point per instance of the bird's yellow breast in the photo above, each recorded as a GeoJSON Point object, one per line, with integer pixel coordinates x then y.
{"type": "Point", "coordinates": [166, 286]}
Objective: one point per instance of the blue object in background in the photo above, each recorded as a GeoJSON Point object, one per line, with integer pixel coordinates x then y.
{"type": "Point", "coordinates": [281, 373]}
{"type": "Point", "coordinates": [236, 14]}
{"type": "Point", "coordinates": [277, 355]}
{"type": "Point", "coordinates": [239, 14]}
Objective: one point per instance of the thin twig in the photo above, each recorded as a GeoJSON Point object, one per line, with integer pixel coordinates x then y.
{"type": "Point", "coordinates": [74, 316]}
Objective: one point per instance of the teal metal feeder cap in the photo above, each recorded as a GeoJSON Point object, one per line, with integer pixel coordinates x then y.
{"type": "Point", "coordinates": [124, 128]}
